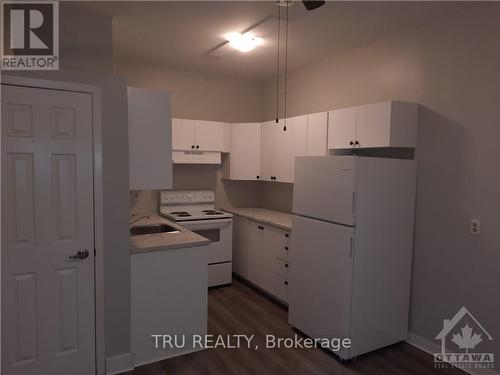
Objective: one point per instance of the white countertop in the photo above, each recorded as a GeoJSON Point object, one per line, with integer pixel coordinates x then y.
{"type": "Point", "coordinates": [278, 219]}
{"type": "Point", "coordinates": [163, 241]}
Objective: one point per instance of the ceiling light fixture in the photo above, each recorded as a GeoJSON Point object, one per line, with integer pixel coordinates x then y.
{"type": "Point", "coordinates": [244, 42]}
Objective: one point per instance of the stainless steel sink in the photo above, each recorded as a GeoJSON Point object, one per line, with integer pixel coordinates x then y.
{"type": "Point", "coordinates": [152, 229]}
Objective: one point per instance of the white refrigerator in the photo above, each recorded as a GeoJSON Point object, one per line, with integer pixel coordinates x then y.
{"type": "Point", "coordinates": [351, 250]}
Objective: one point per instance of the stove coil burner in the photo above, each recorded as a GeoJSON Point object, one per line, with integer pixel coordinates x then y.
{"type": "Point", "coordinates": [211, 212]}
{"type": "Point", "coordinates": [180, 213]}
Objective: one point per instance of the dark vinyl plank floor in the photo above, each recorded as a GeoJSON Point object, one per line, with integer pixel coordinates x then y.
{"type": "Point", "coordinates": [240, 309]}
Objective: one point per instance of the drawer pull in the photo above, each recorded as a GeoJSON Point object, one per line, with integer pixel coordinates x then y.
{"type": "Point", "coordinates": [286, 265]}
{"type": "Point", "coordinates": [286, 247]}
{"type": "Point", "coordinates": [286, 282]}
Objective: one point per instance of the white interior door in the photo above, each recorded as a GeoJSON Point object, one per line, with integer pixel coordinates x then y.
{"type": "Point", "coordinates": [47, 216]}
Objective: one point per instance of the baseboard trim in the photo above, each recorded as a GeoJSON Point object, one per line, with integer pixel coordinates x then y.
{"type": "Point", "coordinates": [120, 363]}
{"type": "Point", "coordinates": [430, 347]}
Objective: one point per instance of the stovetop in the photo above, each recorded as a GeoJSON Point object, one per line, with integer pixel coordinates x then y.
{"type": "Point", "coordinates": [184, 205]}
{"type": "Point", "coordinates": [173, 213]}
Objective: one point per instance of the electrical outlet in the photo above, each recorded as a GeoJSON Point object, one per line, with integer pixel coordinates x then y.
{"type": "Point", "coordinates": [475, 227]}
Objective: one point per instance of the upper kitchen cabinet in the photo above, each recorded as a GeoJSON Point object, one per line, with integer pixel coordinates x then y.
{"type": "Point", "coordinates": [317, 134]}
{"type": "Point", "coordinates": [200, 135]}
{"type": "Point", "coordinates": [275, 152]}
{"type": "Point", "coordinates": [183, 134]}
{"type": "Point", "coordinates": [244, 161]}
{"type": "Point", "coordinates": [385, 124]}
{"type": "Point", "coordinates": [342, 128]}
{"type": "Point", "coordinates": [150, 142]}
{"type": "Point", "coordinates": [297, 126]}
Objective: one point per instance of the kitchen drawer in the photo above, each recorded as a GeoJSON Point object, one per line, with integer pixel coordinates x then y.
{"type": "Point", "coordinates": [279, 245]}
{"type": "Point", "coordinates": [280, 267]}
{"type": "Point", "coordinates": [279, 287]}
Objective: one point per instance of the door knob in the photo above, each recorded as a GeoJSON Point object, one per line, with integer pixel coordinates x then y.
{"type": "Point", "coordinates": [81, 254]}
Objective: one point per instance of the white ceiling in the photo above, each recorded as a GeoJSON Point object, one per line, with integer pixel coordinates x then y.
{"type": "Point", "coordinates": [179, 34]}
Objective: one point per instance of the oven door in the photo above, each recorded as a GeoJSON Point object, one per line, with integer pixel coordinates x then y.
{"type": "Point", "coordinates": [220, 234]}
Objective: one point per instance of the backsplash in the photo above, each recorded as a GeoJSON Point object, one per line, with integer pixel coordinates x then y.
{"type": "Point", "coordinates": [272, 195]}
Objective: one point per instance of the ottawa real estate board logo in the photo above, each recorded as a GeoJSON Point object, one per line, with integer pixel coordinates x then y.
{"type": "Point", "coordinates": [30, 39]}
{"type": "Point", "coordinates": [461, 339]}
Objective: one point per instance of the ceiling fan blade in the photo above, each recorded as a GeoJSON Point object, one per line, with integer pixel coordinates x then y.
{"type": "Point", "coordinates": [310, 5]}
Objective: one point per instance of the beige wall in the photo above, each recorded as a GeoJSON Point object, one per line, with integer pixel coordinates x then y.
{"type": "Point", "coordinates": [86, 40]}
{"type": "Point", "coordinates": [195, 95]}
{"type": "Point", "coordinates": [452, 69]}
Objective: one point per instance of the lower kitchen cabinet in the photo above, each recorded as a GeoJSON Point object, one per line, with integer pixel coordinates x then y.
{"type": "Point", "coordinates": [165, 299]}
{"type": "Point", "coordinates": [260, 255]}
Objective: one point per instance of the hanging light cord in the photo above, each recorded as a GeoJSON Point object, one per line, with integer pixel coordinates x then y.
{"type": "Point", "coordinates": [286, 68]}
{"type": "Point", "coordinates": [278, 69]}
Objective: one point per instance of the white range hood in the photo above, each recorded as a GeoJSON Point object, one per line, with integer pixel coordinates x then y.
{"type": "Point", "coordinates": [196, 157]}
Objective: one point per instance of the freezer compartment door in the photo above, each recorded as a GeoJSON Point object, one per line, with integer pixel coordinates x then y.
{"type": "Point", "coordinates": [319, 288]}
{"type": "Point", "coordinates": [325, 188]}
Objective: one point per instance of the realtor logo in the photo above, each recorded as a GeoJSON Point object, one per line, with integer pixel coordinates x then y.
{"type": "Point", "coordinates": [459, 338]}
{"type": "Point", "coordinates": [30, 35]}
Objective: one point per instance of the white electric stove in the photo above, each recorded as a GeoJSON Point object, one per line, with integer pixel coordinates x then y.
{"type": "Point", "coordinates": [195, 210]}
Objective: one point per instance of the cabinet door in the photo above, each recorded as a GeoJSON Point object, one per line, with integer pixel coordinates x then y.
{"type": "Point", "coordinates": [317, 134]}
{"type": "Point", "coordinates": [258, 262]}
{"type": "Point", "coordinates": [209, 136]}
{"type": "Point", "coordinates": [182, 134]}
{"type": "Point", "coordinates": [241, 246]}
{"type": "Point", "coordinates": [245, 152]}
{"type": "Point", "coordinates": [341, 128]}
{"type": "Point", "coordinates": [281, 153]}
{"type": "Point", "coordinates": [373, 125]}
{"type": "Point", "coordinates": [150, 143]}
{"type": "Point", "coordinates": [297, 126]}
{"type": "Point", "coordinates": [267, 154]}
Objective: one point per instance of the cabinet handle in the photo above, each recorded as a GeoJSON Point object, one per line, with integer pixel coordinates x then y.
{"type": "Point", "coordinates": [286, 265]}
{"type": "Point", "coordinates": [198, 146]}
{"type": "Point", "coordinates": [287, 235]}
{"type": "Point", "coordinates": [351, 143]}
{"type": "Point", "coordinates": [261, 228]}
{"type": "Point", "coordinates": [356, 143]}
{"type": "Point", "coordinates": [286, 282]}
{"type": "Point", "coordinates": [192, 146]}
{"type": "Point", "coordinates": [286, 247]}
{"type": "Point", "coordinates": [258, 177]}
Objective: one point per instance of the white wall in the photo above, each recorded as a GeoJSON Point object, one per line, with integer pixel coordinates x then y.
{"type": "Point", "coordinates": [86, 40]}
{"type": "Point", "coordinates": [452, 68]}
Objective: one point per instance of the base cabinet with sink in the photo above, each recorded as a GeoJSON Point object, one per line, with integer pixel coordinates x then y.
{"type": "Point", "coordinates": [260, 255]}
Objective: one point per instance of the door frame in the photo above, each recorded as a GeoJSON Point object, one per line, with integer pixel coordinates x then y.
{"type": "Point", "coordinates": [95, 92]}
